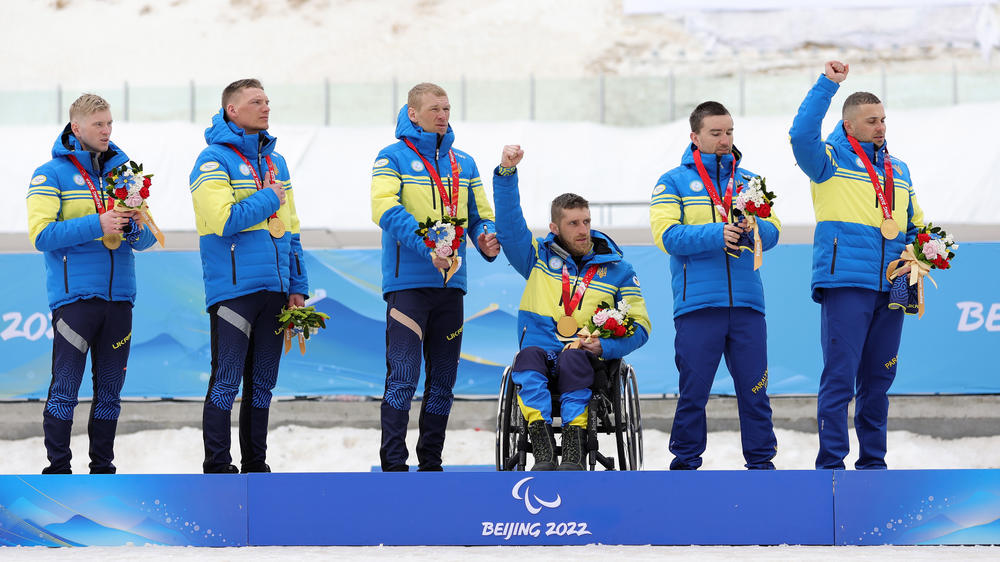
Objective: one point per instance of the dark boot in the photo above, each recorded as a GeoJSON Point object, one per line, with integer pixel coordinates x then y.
{"type": "Point", "coordinates": [215, 428]}
{"type": "Point", "coordinates": [253, 438]}
{"type": "Point", "coordinates": [543, 445]}
{"type": "Point", "coordinates": [431, 441]}
{"type": "Point", "coordinates": [393, 451]}
{"type": "Point", "coordinates": [57, 433]}
{"type": "Point", "coordinates": [102, 445]}
{"type": "Point", "coordinates": [572, 448]}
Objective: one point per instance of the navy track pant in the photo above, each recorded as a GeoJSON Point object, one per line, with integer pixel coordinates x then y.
{"type": "Point", "coordinates": [420, 323]}
{"type": "Point", "coordinates": [104, 328]}
{"type": "Point", "coordinates": [246, 348]}
{"type": "Point", "coordinates": [703, 337]}
{"type": "Point", "coordinates": [860, 338]}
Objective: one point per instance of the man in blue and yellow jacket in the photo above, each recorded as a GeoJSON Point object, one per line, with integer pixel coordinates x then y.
{"type": "Point", "coordinates": [571, 259]}
{"type": "Point", "coordinates": [253, 265]}
{"type": "Point", "coordinates": [857, 234]}
{"type": "Point", "coordinates": [718, 299]}
{"type": "Point", "coordinates": [91, 287]}
{"type": "Point", "coordinates": [423, 177]}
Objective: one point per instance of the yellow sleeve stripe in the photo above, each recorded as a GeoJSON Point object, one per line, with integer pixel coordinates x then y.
{"type": "Point", "coordinates": [223, 176]}
{"type": "Point", "coordinates": [386, 172]}
{"type": "Point", "coordinates": [45, 190]}
{"type": "Point", "coordinates": [666, 197]}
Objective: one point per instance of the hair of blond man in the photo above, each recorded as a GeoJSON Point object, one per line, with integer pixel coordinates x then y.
{"type": "Point", "coordinates": [87, 104]}
{"type": "Point", "coordinates": [234, 88]}
{"type": "Point", "coordinates": [416, 95]}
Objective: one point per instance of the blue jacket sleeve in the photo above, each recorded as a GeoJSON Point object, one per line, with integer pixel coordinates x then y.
{"type": "Point", "coordinates": [806, 133]}
{"type": "Point", "coordinates": [768, 234]}
{"type": "Point", "coordinates": [250, 211]}
{"type": "Point", "coordinates": [480, 214]}
{"type": "Point", "coordinates": [616, 348]}
{"type": "Point", "coordinates": [691, 239]}
{"type": "Point", "coordinates": [70, 232]}
{"type": "Point", "coordinates": [299, 282]}
{"type": "Point", "coordinates": [512, 231]}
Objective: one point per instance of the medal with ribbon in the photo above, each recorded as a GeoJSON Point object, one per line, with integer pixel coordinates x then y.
{"type": "Point", "coordinates": [722, 206]}
{"type": "Point", "coordinates": [567, 326]}
{"type": "Point", "coordinates": [111, 240]}
{"type": "Point", "coordinates": [274, 225]}
{"type": "Point", "coordinates": [889, 227]}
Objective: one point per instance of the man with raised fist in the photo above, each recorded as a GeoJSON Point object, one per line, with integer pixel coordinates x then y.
{"type": "Point", "coordinates": [866, 213]}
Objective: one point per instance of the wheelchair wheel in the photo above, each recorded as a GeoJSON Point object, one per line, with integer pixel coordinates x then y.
{"type": "Point", "coordinates": [630, 453]}
{"type": "Point", "coordinates": [510, 427]}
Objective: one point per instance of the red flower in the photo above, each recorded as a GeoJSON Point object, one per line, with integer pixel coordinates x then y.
{"type": "Point", "coordinates": [620, 331]}
{"type": "Point", "coordinates": [146, 182]}
{"type": "Point", "coordinates": [610, 324]}
{"type": "Point", "coordinates": [764, 211]}
{"type": "Point", "coordinates": [941, 263]}
{"type": "Point", "coordinates": [428, 243]}
{"type": "Point", "coordinates": [121, 193]}
{"type": "Point", "coordinates": [144, 192]}
{"type": "Point", "coordinates": [923, 237]}
{"type": "Point", "coordinates": [456, 243]}
{"type": "Point", "coordinates": [459, 231]}
{"type": "Point", "coordinates": [751, 207]}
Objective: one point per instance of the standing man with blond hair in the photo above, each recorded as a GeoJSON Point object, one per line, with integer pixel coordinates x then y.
{"type": "Point", "coordinates": [90, 279]}
{"type": "Point", "coordinates": [253, 266]}
{"type": "Point", "coordinates": [418, 179]}
{"type": "Point", "coordinates": [866, 213]}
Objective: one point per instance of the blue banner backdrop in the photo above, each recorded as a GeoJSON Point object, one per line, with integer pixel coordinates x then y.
{"type": "Point", "coordinates": [941, 353]}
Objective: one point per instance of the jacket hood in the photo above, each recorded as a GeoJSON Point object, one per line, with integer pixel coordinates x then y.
{"type": "Point", "coordinates": [709, 160]}
{"type": "Point", "coordinates": [67, 144]}
{"type": "Point", "coordinates": [838, 137]}
{"type": "Point", "coordinates": [224, 132]}
{"type": "Point", "coordinates": [426, 142]}
{"type": "Point", "coordinates": [605, 250]}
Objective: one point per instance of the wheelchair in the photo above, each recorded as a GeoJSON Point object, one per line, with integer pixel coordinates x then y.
{"type": "Point", "coordinates": [613, 409]}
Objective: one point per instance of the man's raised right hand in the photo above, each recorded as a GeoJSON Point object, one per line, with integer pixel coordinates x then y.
{"type": "Point", "coordinates": [276, 186]}
{"type": "Point", "coordinates": [511, 155]}
{"type": "Point", "coordinates": [837, 71]}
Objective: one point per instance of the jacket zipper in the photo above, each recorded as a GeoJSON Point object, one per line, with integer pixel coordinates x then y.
{"type": "Point", "coordinates": [111, 279]}
{"type": "Point", "coordinates": [232, 259]}
{"type": "Point", "coordinates": [833, 262]}
{"type": "Point", "coordinates": [882, 262]}
{"type": "Point", "coordinates": [298, 267]}
{"type": "Point", "coordinates": [397, 258]}
{"type": "Point", "coordinates": [65, 274]}
{"type": "Point", "coordinates": [277, 263]}
{"type": "Point", "coordinates": [684, 291]}
{"type": "Point", "coordinates": [437, 154]}
{"type": "Point", "coordinates": [725, 256]}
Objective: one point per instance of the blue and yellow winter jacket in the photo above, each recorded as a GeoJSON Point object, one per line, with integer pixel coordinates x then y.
{"type": "Point", "coordinates": [404, 194]}
{"type": "Point", "coordinates": [687, 226]}
{"type": "Point", "coordinates": [64, 224]}
{"type": "Point", "coordinates": [848, 247]}
{"type": "Point", "coordinates": [540, 261]}
{"type": "Point", "coordinates": [238, 254]}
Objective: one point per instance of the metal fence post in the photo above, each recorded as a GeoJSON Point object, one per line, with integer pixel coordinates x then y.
{"type": "Point", "coordinates": [125, 101]}
{"type": "Point", "coordinates": [885, 87]}
{"type": "Point", "coordinates": [600, 97]}
{"type": "Point", "coordinates": [531, 96]}
{"type": "Point", "coordinates": [59, 110]}
{"type": "Point", "coordinates": [326, 102]}
{"type": "Point", "coordinates": [192, 101]}
{"type": "Point", "coordinates": [954, 83]}
{"type": "Point", "coordinates": [464, 98]}
{"type": "Point", "coordinates": [743, 94]}
{"type": "Point", "coordinates": [395, 96]}
{"type": "Point", "coordinates": [670, 89]}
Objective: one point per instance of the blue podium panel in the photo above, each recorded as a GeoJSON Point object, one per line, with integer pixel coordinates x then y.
{"type": "Point", "coordinates": [721, 507]}
{"type": "Point", "coordinates": [116, 510]}
{"type": "Point", "coordinates": [917, 507]}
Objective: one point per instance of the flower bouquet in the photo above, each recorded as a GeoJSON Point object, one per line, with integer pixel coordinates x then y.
{"type": "Point", "coordinates": [300, 322]}
{"type": "Point", "coordinates": [752, 201]}
{"type": "Point", "coordinates": [127, 189]}
{"type": "Point", "coordinates": [443, 237]}
{"type": "Point", "coordinates": [932, 249]}
{"type": "Point", "coordinates": [607, 322]}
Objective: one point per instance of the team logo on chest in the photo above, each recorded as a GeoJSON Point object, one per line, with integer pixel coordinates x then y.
{"type": "Point", "coordinates": [417, 166]}
{"type": "Point", "coordinates": [78, 179]}
{"type": "Point", "coordinates": [602, 271]}
{"type": "Point", "coordinates": [244, 169]}
{"type": "Point", "coordinates": [555, 262]}
{"type": "Point", "coordinates": [858, 162]}
{"type": "Point", "coordinates": [696, 186]}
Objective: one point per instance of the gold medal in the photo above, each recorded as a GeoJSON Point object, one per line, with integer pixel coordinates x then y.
{"type": "Point", "coordinates": [889, 229]}
{"type": "Point", "coordinates": [567, 327]}
{"type": "Point", "coordinates": [276, 227]}
{"type": "Point", "coordinates": [112, 240]}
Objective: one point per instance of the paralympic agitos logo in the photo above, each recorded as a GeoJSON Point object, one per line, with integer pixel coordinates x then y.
{"type": "Point", "coordinates": [527, 496]}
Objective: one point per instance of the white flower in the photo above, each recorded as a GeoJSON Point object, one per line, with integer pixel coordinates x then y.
{"type": "Point", "coordinates": [948, 240]}
{"type": "Point", "coordinates": [600, 317]}
{"type": "Point", "coordinates": [624, 307]}
{"type": "Point", "coordinates": [616, 314]}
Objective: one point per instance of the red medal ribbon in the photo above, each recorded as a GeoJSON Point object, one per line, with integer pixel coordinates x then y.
{"type": "Point", "coordinates": [253, 172]}
{"type": "Point", "coordinates": [98, 199]}
{"type": "Point", "coordinates": [884, 196]}
{"type": "Point", "coordinates": [710, 187]}
{"type": "Point", "coordinates": [450, 202]}
{"type": "Point", "coordinates": [570, 304]}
